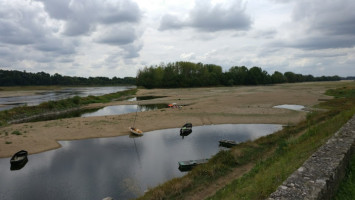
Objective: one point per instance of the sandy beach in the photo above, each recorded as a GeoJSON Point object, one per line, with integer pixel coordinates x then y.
{"type": "Point", "coordinates": [203, 106]}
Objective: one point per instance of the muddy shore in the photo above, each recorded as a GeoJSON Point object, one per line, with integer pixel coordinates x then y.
{"type": "Point", "coordinates": [217, 105]}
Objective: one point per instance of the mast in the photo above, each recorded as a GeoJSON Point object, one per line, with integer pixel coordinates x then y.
{"type": "Point", "coordinates": [134, 122]}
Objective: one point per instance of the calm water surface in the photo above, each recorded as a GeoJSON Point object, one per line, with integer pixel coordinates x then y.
{"type": "Point", "coordinates": [123, 109]}
{"type": "Point", "coordinates": [290, 106]}
{"type": "Point", "coordinates": [120, 167]}
{"type": "Point", "coordinates": [54, 95]}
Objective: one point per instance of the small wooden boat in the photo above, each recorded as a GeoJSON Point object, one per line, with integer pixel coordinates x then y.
{"type": "Point", "coordinates": [189, 164]}
{"type": "Point", "coordinates": [19, 160]}
{"type": "Point", "coordinates": [135, 131]}
{"type": "Point", "coordinates": [227, 143]}
{"type": "Point", "coordinates": [186, 129]}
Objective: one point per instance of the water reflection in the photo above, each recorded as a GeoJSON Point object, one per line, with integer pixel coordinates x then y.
{"type": "Point", "coordinates": [121, 167]}
{"type": "Point", "coordinates": [10, 102]}
{"type": "Point", "coordinates": [291, 107]}
{"type": "Point", "coordinates": [124, 109]}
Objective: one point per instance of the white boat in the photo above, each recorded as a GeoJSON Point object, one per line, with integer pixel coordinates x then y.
{"type": "Point", "coordinates": [135, 131]}
{"type": "Point", "coordinates": [132, 129]}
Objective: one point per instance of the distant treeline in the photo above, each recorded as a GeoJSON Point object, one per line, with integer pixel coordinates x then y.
{"type": "Point", "coordinates": [18, 78]}
{"type": "Point", "coordinates": [188, 74]}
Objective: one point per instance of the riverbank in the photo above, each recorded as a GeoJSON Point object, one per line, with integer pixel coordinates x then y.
{"type": "Point", "coordinates": [218, 105]}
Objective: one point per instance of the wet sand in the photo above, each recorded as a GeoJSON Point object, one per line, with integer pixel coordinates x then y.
{"type": "Point", "coordinates": [203, 106]}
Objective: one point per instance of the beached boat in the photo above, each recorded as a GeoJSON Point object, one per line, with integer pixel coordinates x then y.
{"type": "Point", "coordinates": [189, 164]}
{"type": "Point", "coordinates": [19, 160]}
{"type": "Point", "coordinates": [186, 129]}
{"type": "Point", "coordinates": [135, 131]}
{"type": "Point", "coordinates": [227, 143]}
{"type": "Point", "coordinates": [132, 129]}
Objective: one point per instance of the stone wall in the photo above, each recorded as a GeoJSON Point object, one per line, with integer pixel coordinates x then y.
{"type": "Point", "coordinates": [321, 174]}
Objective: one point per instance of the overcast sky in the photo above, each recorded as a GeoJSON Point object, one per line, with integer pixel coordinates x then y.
{"type": "Point", "coordinates": [119, 37]}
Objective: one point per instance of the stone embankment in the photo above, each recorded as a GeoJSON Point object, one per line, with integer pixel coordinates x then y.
{"type": "Point", "coordinates": [321, 174]}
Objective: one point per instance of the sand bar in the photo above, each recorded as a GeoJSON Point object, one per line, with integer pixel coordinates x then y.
{"type": "Point", "coordinates": [205, 106]}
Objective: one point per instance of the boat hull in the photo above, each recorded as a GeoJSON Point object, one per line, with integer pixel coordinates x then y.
{"type": "Point", "coordinates": [227, 143]}
{"type": "Point", "coordinates": [189, 164]}
{"type": "Point", "coordinates": [135, 131]}
{"type": "Point", "coordinates": [186, 129]}
{"type": "Point", "coordinates": [19, 160]}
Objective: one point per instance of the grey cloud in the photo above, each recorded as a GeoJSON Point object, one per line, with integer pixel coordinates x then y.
{"type": "Point", "coordinates": [322, 42]}
{"type": "Point", "coordinates": [264, 34]}
{"type": "Point", "coordinates": [57, 9]}
{"type": "Point", "coordinates": [327, 24]}
{"type": "Point", "coordinates": [330, 17]}
{"type": "Point", "coordinates": [57, 46]}
{"type": "Point", "coordinates": [66, 60]}
{"type": "Point", "coordinates": [19, 26]}
{"type": "Point", "coordinates": [132, 50]}
{"type": "Point", "coordinates": [82, 17]}
{"type": "Point", "coordinates": [170, 22]}
{"type": "Point", "coordinates": [121, 11]}
{"type": "Point", "coordinates": [25, 30]}
{"type": "Point", "coordinates": [77, 27]}
{"type": "Point", "coordinates": [119, 35]}
{"type": "Point", "coordinates": [210, 18]}
{"type": "Point", "coordinates": [12, 34]}
{"type": "Point", "coordinates": [319, 55]}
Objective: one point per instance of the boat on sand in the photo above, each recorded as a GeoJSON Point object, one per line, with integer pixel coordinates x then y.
{"type": "Point", "coordinates": [135, 131]}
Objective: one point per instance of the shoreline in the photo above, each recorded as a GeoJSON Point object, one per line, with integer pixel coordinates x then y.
{"type": "Point", "coordinates": [205, 106]}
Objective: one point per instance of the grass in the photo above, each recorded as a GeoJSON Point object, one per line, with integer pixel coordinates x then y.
{"type": "Point", "coordinates": [274, 156]}
{"type": "Point", "coordinates": [346, 189]}
{"type": "Point", "coordinates": [267, 175]}
{"type": "Point", "coordinates": [16, 133]}
{"type": "Point", "coordinates": [53, 106]}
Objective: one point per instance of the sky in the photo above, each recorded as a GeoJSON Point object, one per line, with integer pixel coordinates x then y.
{"type": "Point", "coordinates": [116, 38]}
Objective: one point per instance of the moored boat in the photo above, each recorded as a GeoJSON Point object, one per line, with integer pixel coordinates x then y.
{"type": "Point", "coordinates": [227, 143]}
{"type": "Point", "coordinates": [19, 160]}
{"type": "Point", "coordinates": [135, 131]}
{"type": "Point", "coordinates": [186, 129]}
{"type": "Point", "coordinates": [189, 164]}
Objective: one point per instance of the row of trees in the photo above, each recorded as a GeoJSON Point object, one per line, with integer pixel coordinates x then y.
{"type": "Point", "coordinates": [13, 78]}
{"type": "Point", "coordinates": [188, 74]}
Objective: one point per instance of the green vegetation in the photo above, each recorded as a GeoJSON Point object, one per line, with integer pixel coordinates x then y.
{"type": "Point", "coordinates": [188, 74]}
{"type": "Point", "coordinates": [53, 106]}
{"type": "Point", "coordinates": [16, 133]}
{"type": "Point", "coordinates": [346, 189]}
{"type": "Point", "coordinates": [14, 77]}
{"type": "Point", "coordinates": [7, 142]}
{"type": "Point", "coordinates": [274, 156]}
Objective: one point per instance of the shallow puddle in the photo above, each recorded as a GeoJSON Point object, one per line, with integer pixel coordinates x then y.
{"type": "Point", "coordinates": [290, 107]}
{"type": "Point", "coordinates": [124, 109]}
{"type": "Point", "coordinates": [120, 167]}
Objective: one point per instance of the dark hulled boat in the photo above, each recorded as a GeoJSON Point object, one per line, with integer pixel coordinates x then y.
{"type": "Point", "coordinates": [186, 129]}
{"type": "Point", "coordinates": [189, 164]}
{"type": "Point", "coordinates": [227, 143]}
{"type": "Point", "coordinates": [19, 160]}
